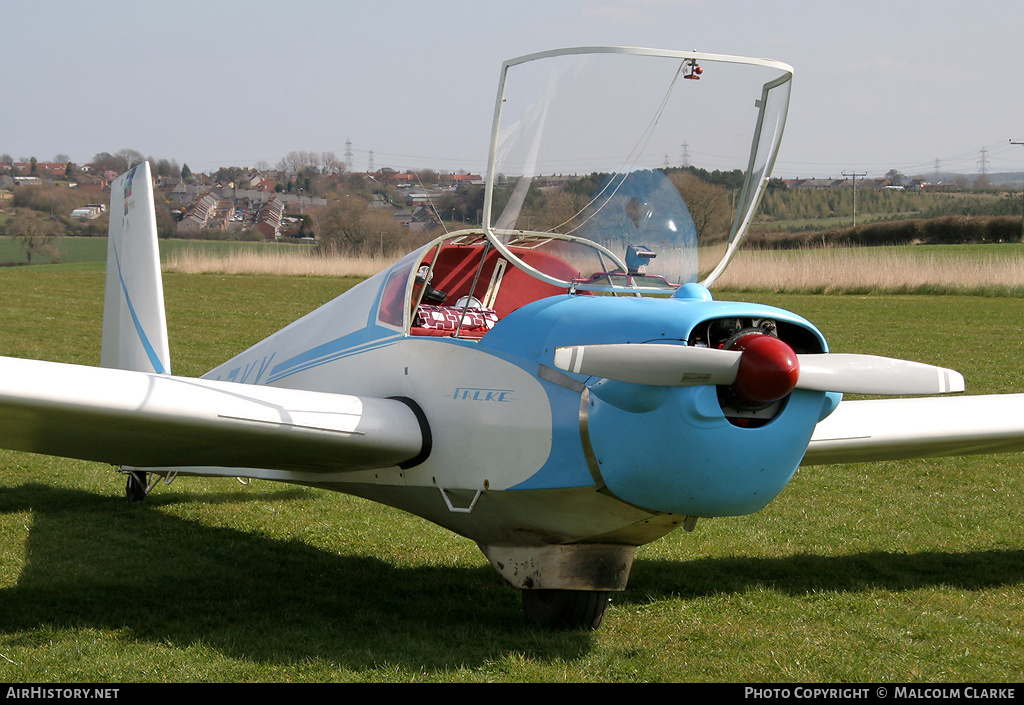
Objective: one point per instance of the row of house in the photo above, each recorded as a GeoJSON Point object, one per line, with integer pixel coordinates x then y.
{"type": "Point", "coordinates": [182, 194]}
{"type": "Point", "coordinates": [420, 219]}
{"type": "Point", "coordinates": [825, 184]}
{"type": "Point", "coordinates": [204, 212]}
{"type": "Point", "coordinates": [408, 178]}
{"type": "Point", "coordinates": [40, 169]}
{"type": "Point", "coordinates": [250, 202]}
{"type": "Point", "coordinates": [213, 212]}
{"type": "Point", "coordinates": [20, 174]}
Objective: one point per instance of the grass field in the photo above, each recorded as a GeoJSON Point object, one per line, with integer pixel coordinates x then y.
{"type": "Point", "coordinates": [86, 250]}
{"type": "Point", "coordinates": [989, 270]}
{"type": "Point", "coordinates": [887, 572]}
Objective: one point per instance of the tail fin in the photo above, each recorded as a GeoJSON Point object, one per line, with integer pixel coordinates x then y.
{"type": "Point", "coordinates": [134, 322]}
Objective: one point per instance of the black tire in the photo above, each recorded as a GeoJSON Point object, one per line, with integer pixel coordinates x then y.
{"type": "Point", "coordinates": [566, 609]}
{"type": "Point", "coordinates": [135, 488]}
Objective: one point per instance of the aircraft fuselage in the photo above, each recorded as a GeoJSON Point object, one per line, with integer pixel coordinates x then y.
{"type": "Point", "coordinates": [508, 429]}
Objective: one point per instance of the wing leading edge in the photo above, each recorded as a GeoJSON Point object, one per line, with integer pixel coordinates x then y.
{"type": "Point", "coordinates": [144, 420]}
{"type": "Point", "coordinates": [896, 429]}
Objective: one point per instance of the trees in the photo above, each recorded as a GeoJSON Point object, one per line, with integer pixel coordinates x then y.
{"type": "Point", "coordinates": [129, 158]}
{"type": "Point", "coordinates": [298, 162]}
{"type": "Point", "coordinates": [118, 163]}
{"type": "Point", "coordinates": [552, 211]}
{"type": "Point", "coordinates": [331, 164]}
{"type": "Point", "coordinates": [104, 161]}
{"type": "Point", "coordinates": [466, 204]}
{"type": "Point", "coordinates": [731, 180]}
{"type": "Point", "coordinates": [38, 233]}
{"type": "Point", "coordinates": [708, 204]}
{"type": "Point", "coordinates": [228, 174]}
{"type": "Point", "coordinates": [165, 167]}
{"type": "Point", "coordinates": [50, 200]}
{"type": "Point", "coordinates": [350, 227]}
{"type": "Point", "coordinates": [895, 177]}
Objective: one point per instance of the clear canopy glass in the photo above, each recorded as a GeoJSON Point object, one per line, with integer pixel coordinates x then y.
{"type": "Point", "coordinates": [640, 168]}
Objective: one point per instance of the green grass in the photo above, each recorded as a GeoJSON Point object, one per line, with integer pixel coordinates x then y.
{"type": "Point", "coordinates": [908, 571]}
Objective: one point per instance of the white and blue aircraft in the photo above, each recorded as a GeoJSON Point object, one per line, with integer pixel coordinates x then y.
{"type": "Point", "coordinates": [558, 385]}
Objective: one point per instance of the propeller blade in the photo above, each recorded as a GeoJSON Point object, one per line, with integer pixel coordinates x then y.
{"type": "Point", "coordinates": [768, 373]}
{"type": "Point", "coordinates": [761, 368]}
{"type": "Point", "coordinates": [869, 374]}
{"type": "Point", "coordinates": [652, 363]}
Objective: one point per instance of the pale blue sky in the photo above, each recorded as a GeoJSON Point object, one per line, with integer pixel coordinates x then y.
{"type": "Point", "coordinates": [878, 85]}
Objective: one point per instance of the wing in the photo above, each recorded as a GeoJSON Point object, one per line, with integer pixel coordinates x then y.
{"type": "Point", "coordinates": [144, 420]}
{"type": "Point", "coordinates": [893, 429]}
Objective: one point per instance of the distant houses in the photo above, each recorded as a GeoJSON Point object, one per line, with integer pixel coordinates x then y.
{"type": "Point", "coordinates": [39, 169]}
{"type": "Point", "coordinates": [833, 184]}
{"type": "Point", "coordinates": [912, 184]}
{"type": "Point", "coordinates": [270, 219]}
{"type": "Point", "coordinates": [421, 219]}
{"type": "Point", "coordinates": [202, 213]}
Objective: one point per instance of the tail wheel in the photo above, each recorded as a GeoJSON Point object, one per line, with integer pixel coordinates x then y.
{"type": "Point", "coordinates": [566, 609]}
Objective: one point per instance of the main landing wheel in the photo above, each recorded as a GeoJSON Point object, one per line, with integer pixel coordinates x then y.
{"type": "Point", "coordinates": [135, 489]}
{"type": "Point", "coordinates": [566, 609]}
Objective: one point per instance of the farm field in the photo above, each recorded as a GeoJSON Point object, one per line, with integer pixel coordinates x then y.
{"type": "Point", "coordinates": [887, 572]}
{"type": "Point", "coordinates": [988, 270]}
{"type": "Point", "coordinates": [84, 250]}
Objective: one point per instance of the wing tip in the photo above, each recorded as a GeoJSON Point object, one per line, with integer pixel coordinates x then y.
{"type": "Point", "coordinates": [955, 381]}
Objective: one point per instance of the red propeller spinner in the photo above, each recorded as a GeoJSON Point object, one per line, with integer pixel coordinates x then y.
{"type": "Point", "coordinates": [768, 369]}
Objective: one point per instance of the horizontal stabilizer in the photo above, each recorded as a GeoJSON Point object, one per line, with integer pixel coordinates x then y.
{"type": "Point", "coordinates": [144, 419]}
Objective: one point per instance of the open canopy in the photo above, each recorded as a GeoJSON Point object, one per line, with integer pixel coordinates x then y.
{"type": "Point", "coordinates": [640, 168]}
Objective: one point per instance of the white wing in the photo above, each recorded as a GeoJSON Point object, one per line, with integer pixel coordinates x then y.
{"type": "Point", "coordinates": [893, 429]}
{"type": "Point", "coordinates": [144, 420]}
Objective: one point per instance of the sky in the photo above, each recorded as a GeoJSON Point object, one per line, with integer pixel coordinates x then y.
{"type": "Point", "coordinates": [211, 83]}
